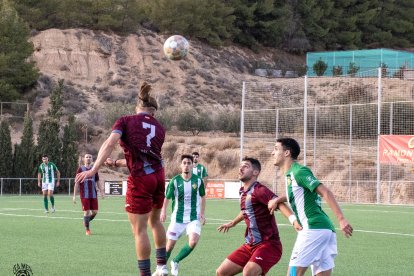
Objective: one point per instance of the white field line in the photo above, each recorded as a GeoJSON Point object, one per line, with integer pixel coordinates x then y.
{"type": "Point", "coordinates": [46, 216]}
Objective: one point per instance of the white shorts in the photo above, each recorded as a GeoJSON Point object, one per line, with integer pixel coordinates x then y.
{"type": "Point", "coordinates": [48, 186]}
{"type": "Point", "coordinates": [175, 230]}
{"type": "Point", "coordinates": [316, 248]}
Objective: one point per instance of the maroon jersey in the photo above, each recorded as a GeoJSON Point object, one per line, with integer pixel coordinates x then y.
{"type": "Point", "coordinates": [87, 188]}
{"type": "Point", "coordinates": [261, 225]}
{"type": "Point", "coordinates": [142, 137]}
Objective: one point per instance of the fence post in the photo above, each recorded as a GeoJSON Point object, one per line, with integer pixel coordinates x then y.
{"type": "Point", "coordinates": [242, 120]}
{"type": "Point", "coordinates": [1, 188]}
{"type": "Point", "coordinates": [69, 187]}
{"type": "Point", "coordinates": [305, 119]}
{"type": "Point", "coordinates": [357, 188]}
{"type": "Point", "coordinates": [378, 135]}
{"type": "Point", "coordinates": [20, 187]}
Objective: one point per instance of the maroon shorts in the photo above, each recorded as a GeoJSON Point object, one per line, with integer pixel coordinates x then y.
{"type": "Point", "coordinates": [145, 192]}
{"type": "Point", "coordinates": [89, 204]}
{"type": "Point", "coordinates": [266, 254]}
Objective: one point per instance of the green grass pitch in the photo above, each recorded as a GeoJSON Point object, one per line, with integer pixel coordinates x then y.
{"type": "Point", "coordinates": [56, 244]}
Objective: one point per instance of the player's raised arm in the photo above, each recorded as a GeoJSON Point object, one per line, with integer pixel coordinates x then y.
{"type": "Point", "coordinates": [226, 227]}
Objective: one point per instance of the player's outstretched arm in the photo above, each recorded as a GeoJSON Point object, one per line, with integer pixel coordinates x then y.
{"type": "Point", "coordinates": [226, 227]}
{"type": "Point", "coordinates": [327, 194]}
{"type": "Point", "coordinates": [272, 205]}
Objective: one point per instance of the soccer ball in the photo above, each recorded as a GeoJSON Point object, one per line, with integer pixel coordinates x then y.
{"type": "Point", "coordinates": [176, 47]}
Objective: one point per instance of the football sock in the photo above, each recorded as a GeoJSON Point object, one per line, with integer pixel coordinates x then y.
{"type": "Point", "coordinates": [168, 254]}
{"type": "Point", "coordinates": [184, 252]}
{"type": "Point", "coordinates": [45, 202]}
{"type": "Point", "coordinates": [144, 267]}
{"type": "Point", "coordinates": [92, 217]}
{"type": "Point", "coordinates": [86, 220]}
{"type": "Point", "coordinates": [52, 200]}
{"type": "Point", "coordinates": [161, 255]}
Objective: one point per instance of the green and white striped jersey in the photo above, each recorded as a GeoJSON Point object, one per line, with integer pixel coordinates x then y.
{"type": "Point", "coordinates": [48, 172]}
{"type": "Point", "coordinates": [186, 198]}
{"type": "Point", "coordinates": [200, 171]}
{"type": "Point", "coordinates": [303, 199]}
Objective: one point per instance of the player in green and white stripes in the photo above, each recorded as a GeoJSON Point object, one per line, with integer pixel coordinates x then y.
{"type": "Point", "coordinates": [315, 244]}
{"type": "Point", "coordinates": [186, 190]}
{"type": "Point", "coordinates": [46, 180]}
{"type": "Point", "coordinates": [199, 169]}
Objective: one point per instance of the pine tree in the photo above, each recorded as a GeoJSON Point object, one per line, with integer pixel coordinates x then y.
{"type": "Point", "coordinates": [6, 151]}
{"type": "Point", "coordinates": [16, 74]}
{"type": "Point", "coordinates": [24, 162]}
{"type": "Point", "coordinates": [69, 149]}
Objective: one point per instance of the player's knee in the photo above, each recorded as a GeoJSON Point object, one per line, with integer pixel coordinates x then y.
{"type": "Point", "coordinates": [192, 243]}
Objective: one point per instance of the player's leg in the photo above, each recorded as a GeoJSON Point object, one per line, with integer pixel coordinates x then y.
{"type": "Point", "coordinates": [142, 243]}
{"type": "Point", "coordinates": [45, 200]}
{"type": "Point", "coordinates": [174, 232]}
{"type": "Point", "coordinates": [193, 231]}
{"type": "Point", "coordinates": [86, 207]}
{"type": "Point", "coordinates": [235, 262]}
{"type": "Point", "coordinates": [324, 266]}
{"type": "Point", "coordinates": [94, 208]}
{"type": "Point", "coordinates": [51, 188]}
{"type": "Point", "coordinates": [264, 256]}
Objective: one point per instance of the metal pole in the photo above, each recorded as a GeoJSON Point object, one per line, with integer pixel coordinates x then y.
{"type": "Point", "coordinates": [378, 135]}
{"type": "Point", "coordinates": [314, 136]}
{"type": "Point", "coordinates": [389, 165]}
{"type": "Point", "coordinates": [305, 119]}
{"type": "Point", "coordinates": [242, 121]}
{"type": "Point", "coordinates": [69, 186]}
{"type": "Point", "coordinates": [1, 188]}
{"type": "Point", "coordinates": [350, 152]}
{"type": "Point", "coordinates": [20, 188]}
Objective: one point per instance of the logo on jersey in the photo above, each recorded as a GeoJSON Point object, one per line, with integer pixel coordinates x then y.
{"type": "Point", "coordinates": [311, 179]}
{"type": "Point", "coordinates": [259, 258]}
{"type": "Point", "coordinates": [194, 186]}
{"type": "Point", "coordinates": [288, 180]}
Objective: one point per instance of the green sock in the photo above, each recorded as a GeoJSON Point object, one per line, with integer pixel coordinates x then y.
{"type": "Point", "coordinates": [45, 202]}
{"type": "Point", "coordinates": [168, 254]}
{"type": "Point", "coordinates": [52, 200]}
{"type": "Point", "coordinates": [184, 252]}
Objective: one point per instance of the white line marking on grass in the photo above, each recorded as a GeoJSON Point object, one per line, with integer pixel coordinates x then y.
{"type": "Point", "coordinates": [58, 210]}
{"type": "Point", "coordinates": [385, 233]}
{"type": "Point", "coordinates": [68, 218]}
{"type": "Point", "coordinates": [377, 211]}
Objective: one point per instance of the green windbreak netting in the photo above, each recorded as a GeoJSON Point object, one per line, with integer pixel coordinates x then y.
{"type": "Point", "coordinates": [346, 62]}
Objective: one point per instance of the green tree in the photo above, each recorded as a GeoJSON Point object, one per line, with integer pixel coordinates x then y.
{"type": "Point", "coordinates": [320, 67]}
{"type": "Point", "coordinates": [190, 120]}
{"type": "Point", "coordinates": [69, 149]}
{"type": "Point", "coordinates": [24, 162]}
{"type": "Point", "coordinates": [16, 73]}
{"type": "Point", "coordinates": [6, 151]}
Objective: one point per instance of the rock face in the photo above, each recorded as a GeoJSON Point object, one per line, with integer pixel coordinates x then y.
{"type": "Point", "coordinates": [99, 64]}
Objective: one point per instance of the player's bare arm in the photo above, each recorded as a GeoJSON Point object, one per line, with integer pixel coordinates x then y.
{"type": "Point", "coordinates": [327, 194]}
{"type": "Point", "coordinates": [285, 210]}
{"type": "Point", "coordinates": [104, 152]}
{"type": "Point", "coordinates": [272, 205]}
{"type": "Point", "coordinates": [75, 188]}
{"type": "Point", "coordinates": [202, 210]}
{"type": "Point", "coordinates": [39, 177]}
{"type": "Point", "coordinates": [109, 162]}
{"type": "Point", "coordinates": [226, 227]}
{"type": "Point", "coordinates": [163, 214]}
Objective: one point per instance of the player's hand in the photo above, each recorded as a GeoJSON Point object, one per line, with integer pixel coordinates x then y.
{"type": "Point", "coordinates": [38, 184]}
{"type": "Point", "coordinates": [225, 227]}
{"type": "Point", "coordinates": [109, 162]}
{"type": "Point", "coordinates": [80, 177]}
{"type": "Point", "coordinates": [272, 205]}
{"type": "Point", "coordinates": [346, 228]}
{"type": "Point", "coordinates": [202, 219]}
{"type": "Point", "coordinates": [57, 183]}
{"type": "Point", "coordinates": [163, 216]}
{"type": "Point", "coordinates": [74, 200]}
{"type": "Point", "coordinates": [297, 226]}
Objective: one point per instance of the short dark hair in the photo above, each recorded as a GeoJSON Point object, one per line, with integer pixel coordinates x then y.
{"type": "Point", "coordinates": [195, 153]}
{"type": "Point", "coordinates": [44, 155]}
{"type": "Point", "coordinates": [255, 163]}
{"type": "Point", "coordinates": [184, 156]}
{"type": "Point", "coordinates": [291, 145]}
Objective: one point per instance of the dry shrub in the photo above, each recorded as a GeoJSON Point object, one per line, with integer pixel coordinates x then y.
{"type": "Point", "coordinates": [208, 156]}
{"type": "Point", "coordinates": [200, 141]}
{"type": "Point", "coordinates": [224, 143]}
{"type": "Point", "coordinates": [227, 160]}
{"type": "Point", "coordinates": [169, 149]}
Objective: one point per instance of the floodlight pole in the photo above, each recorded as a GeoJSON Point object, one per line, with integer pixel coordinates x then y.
{"type": "Point", "coordinates": [242, 121]}
{"type": "Point", "coordinates": [305, 119]}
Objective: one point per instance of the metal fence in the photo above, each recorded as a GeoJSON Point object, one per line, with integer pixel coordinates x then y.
{"type": "Point", "coordinates": [28, 186]}
{"type": "Point", "coordinates": [337, 121]}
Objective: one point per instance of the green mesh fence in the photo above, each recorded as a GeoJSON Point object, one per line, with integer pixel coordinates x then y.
{"type": "Point", "coordinates": [343, 62]}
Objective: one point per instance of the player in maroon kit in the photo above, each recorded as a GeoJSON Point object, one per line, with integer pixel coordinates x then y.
{"type": "Point", "coordinates": [262, 248]}
{"type": "Point", "coordinates": [141, 136]}
{"type": "Point", "coordinates": [88, 193]}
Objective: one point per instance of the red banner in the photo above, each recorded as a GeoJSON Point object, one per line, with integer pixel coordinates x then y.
{"type": "Point", "coordinates": [396, 148]}
{"type": "Point", "coordinates": [215, 189]}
